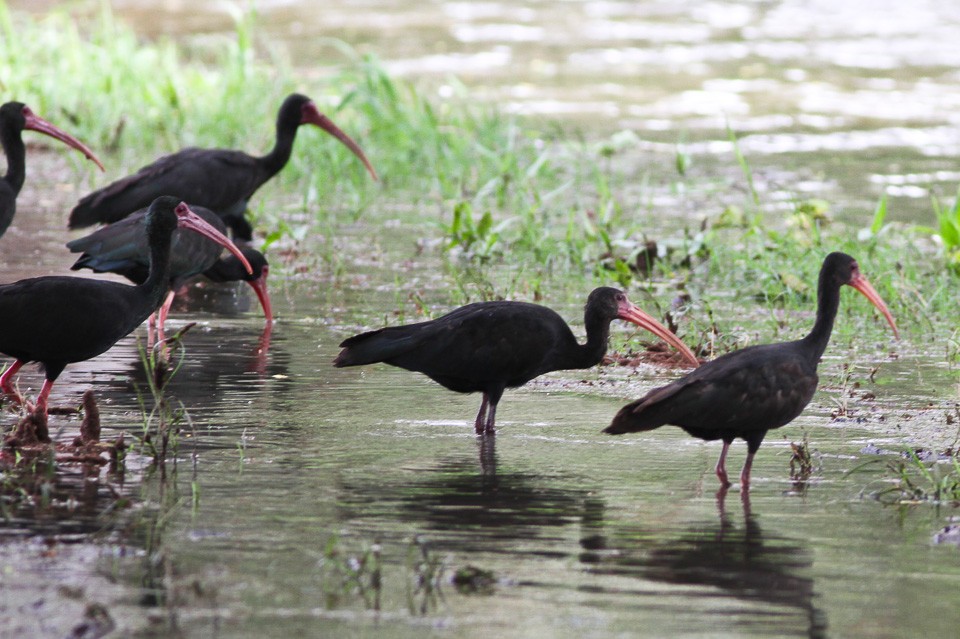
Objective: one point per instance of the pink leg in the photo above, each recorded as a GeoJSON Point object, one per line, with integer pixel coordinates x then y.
{"type": "Point", "coordinates": [745, 473]}
{"type": "Point", "coordinates": [721, 497]}
{"type": "Point", "coordinates": [151, 330]}
{"type": "Point", "coordinates": [163, 312]}
{"type": "Point", "coordinates": [491, 418]}
{"type": "Point", "coordinates": [481, 416]}
{"type": "Point", "coordinates": [42, 397]}
{"type": "Point", "coordinates": [6, 381]}
{"type": "Point", "coordinates": [722, 465]}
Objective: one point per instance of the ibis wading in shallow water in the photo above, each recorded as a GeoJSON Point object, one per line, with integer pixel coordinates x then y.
{"type": "Point", "coordinates": [488, 347]}
{"type": "Point", "coordinates": [220, 179]}
{"type": "Point", "coordinates": [123, 248]}
{"type": "Point", "coordinates": [230, 269]}
{"type": "Point", "coordinates": [59, 320]}
{"type": "Point", "coordinates": [748, 392]}
{"type": "Point", "coordinates": [15, 118]}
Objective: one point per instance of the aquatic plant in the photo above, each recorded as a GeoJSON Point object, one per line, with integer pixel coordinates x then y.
{"type": "Point", "coordinates": [344, 574]}
{"type": "Point", "coordinates": [915, 476]}
{"type": "Point", "coordinates": [947, 232]}
{"type": "Point", "coordinates": [424, 576]}
{"type": "Point", "coordinates": [162, 415]}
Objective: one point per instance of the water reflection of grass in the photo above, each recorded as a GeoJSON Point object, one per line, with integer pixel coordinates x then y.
{"type": "Point", "coordinates": [349, 576]}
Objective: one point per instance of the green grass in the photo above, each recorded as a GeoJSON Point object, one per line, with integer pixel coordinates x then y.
{"type": "Point", "coordinates": [516, 207]}
{"type": "Point", "coordinates": [911, 480]}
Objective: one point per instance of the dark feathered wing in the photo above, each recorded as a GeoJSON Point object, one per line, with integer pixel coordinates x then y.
{"type": "Point", "coordinates": [34, 328]}
{"type": "Point", "coordinates": [464, 350]}
{"type": "Point", "coordinates": [757, 388]}
{"type": "Point", "coordinates": [123, 248]}
{"type": "Point", "coordinates": [219, 179]}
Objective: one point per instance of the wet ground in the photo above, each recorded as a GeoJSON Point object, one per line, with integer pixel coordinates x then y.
{"type": "Point", "coordinates": [358, 502]}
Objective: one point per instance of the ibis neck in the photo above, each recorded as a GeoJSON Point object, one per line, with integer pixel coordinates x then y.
{"type": "Point", "coordinates": [598, 335]}
{"type": "Point", "coordinates": [279, 155]}
{"type": "Point", "coordinates": [15, 151]}
{"type": "Point", "coordinates": [828, 302]}
{"type": "Point", "coordinates": [155, 287]}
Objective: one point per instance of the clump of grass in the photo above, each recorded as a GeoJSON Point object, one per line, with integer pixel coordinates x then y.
{"type": "Point", "coordinates": [492, 190]}
{"type": "Point", "coordinates": [801, 460]}
{"type": "Point", "coordinates": [425, 572]}
{"type": "Point", "coordinates": [911, 479]}
{"type": "Point", "coordinates": [349, 576]}
{"type": "Point", "coordinates": [471, 579]}
{"type": "Point", "coordinates": [346, 575]}
{"type": "Point", "coordinates": [947, 232]}
{"type": "Point", "coordinates": [162, 416]}
{"type": "Point", "coordinates": [27, 481]}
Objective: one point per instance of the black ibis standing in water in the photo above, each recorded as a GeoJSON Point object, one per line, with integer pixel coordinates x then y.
{"type": "Point", "coordinates": [59, 320]}
{"type": "Point", "coordinates": [123, 248]}
{"type": "Point", "coordinates": [230, 269]}
{"type": "Point", "coordinates": [488, 347]}
{"type": "Point", "coordinates": [748, 392]}
{"type": "Point", "coordinates": [16, 117]}
{"type": "Point", "coordinates": [220, 179]}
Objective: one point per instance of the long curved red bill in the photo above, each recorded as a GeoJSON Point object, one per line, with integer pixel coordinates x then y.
{"type": "Point", "coordinates": [310, 115]}
{"type": "Point", "coordinates": [259, 287]}
{"type": "Point", "coordinates": [35, 123]}
{"type": "Point", "coordinates": [187, 219]}
{"type": "Point", "coordinates": [632, 313]}
{"type": "Point", "coordinates": [860, 283]}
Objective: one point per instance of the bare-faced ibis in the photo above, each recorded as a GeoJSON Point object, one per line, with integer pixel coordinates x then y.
{"type": "Point", "coordinates": [16, 117]}
{"type": "Point", "coordinates": [123, 248]}
{"type": "Point", "coordinates": [59, 320]}
{"type": "Point", "coordinates": [748, 392]}
{"type": "Point", "coordinates": [229, 269]}
{"type": "Point", "coordinates": [220, 179]}
{"type": "Point", "coordinates": [488, 347]}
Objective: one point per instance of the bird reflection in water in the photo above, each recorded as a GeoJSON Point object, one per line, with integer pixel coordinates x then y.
{"type": "Point", "coordinates": [227, 299]}
{"type": "Point", "coordinates": [740, 563]}
{"type": "Point", "coordinates": [467, 509]}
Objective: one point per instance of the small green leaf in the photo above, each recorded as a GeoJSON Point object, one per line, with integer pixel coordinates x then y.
{"type": "Point", "coordinates": [486, 221]}
{"type": "Point", "coordinates": [879, 215]}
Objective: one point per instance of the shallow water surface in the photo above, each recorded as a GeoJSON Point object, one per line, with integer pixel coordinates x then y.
{"type": "Point", "coordinates": [343, 502]}
{"type": "Point", "coordinates": [291, 471]}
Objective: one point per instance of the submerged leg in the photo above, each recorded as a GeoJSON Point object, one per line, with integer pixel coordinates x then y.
{"type": "Point", "coordinates": [753, 445]}
{"type": "Point", "coordinates": [489, 429]}
{"type": "Point", "coordinates": [721, 469]}
{"type": "Point", "coordinates": [745, 472]}
{"type": "Point", "coordinates": [494, 399]}
{"type": "Point", "coordinates": [43, 397]}
{"type": "Point", "coordinates": [32, 429]}
{"type": "Point", "coordinates": [481, 416]}
{"type": "Point", "coordinates": [6, 381]}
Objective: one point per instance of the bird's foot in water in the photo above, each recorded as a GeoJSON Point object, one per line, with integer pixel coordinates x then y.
{"type": "Point", "coordinates": [485, 431]}
{"type": "Point", "coordinates": [724, 480]}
